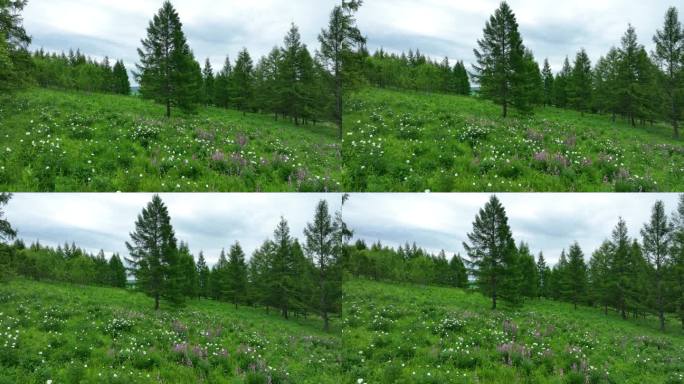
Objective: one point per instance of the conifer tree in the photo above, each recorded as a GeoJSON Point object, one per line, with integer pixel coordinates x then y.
{"type": "Point", "coordinates": [547, 78]}
{"type": "Point", "coordinates": [500, 67]}
{"type": "Point", "coordinates": [338, 46]}
{"type": "Point", "coordinates": [605, 80]}
{"type": "Point", "coordinates": [632, 85]}
{"type": "Point", "coordinates": [202, 276]}
{"type": "Point", "coordinates": [121, 84]}
{"type": "Point", "coordinates": [187, 271]}
{"type": "Point", "coordinates": [208, 92]}
{"type": "Point", "coordinates": [168, 72]}
{"type": "Point", "coordinates": [15, 61]}
{"type": "Point", "coordinates": [581, 85]}
{"type": "Point", "coordinates": [492, 252]}
{"type": "Point", "coordinates": [619, 263]}
{"type": "Point", "coordinates": [320, 247]}
{"type": "Point", "coordinates": [117, 272]}
{"type": "Point", "coordinates": [562, 84]}
{"type": "Point", "coordinates": [677, 260]}
{"type": "Point", "coordinates": [242, 95]}
{"type": "Point", "coordinates": [222, 85]}
{"type": "Point", "coordinates": [656, 236]}
{"type": "Point", "coordinates": [237, 274]}
{"type": "Point", "coordinates": [669, 54]}
{"type": "Point", "coordinates": [599, 276]}
{"type": "Point", "coordinates": [576, 275]}
{"type": "Point", "coordinates": [458, 272]}
{"type": "Point", "coordinates": [153, 252]}
{"type": "Point", "coordinates": [543, 273]}
{"type": "Point", "coordinates": [282, 272]}
{"type": "Point", "coordinates": [527, 268]}
{"type": "Point", "coordinates": [6, 231]}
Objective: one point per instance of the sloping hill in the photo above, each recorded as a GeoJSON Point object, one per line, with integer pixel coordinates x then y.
{"type": "Point", "coordinates": [415, 334]}
{"type": "Point", "coordinates": [71, 141]}
{"type": "Point", "coordinates": [72, 334]}
{"type": "Point", "coordinates": [411, 141]}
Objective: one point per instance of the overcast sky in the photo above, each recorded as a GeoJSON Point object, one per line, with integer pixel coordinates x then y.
{"type": "Point", "coordinates": [209, 222]}
{"type": "Point", "coordinates": [438, 28]}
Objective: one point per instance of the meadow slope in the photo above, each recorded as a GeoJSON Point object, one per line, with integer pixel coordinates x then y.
{"type": "Point", "coordinates": [411, 142]}
{"type": "Point", "coordinates": [414, 334]}
{"type": "Point", "coordinates": [73, 141]}
{"type": "Point", "coordinates": [63, 333]}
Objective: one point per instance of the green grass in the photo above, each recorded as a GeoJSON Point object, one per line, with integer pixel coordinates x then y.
{"type": "Point", "coordinates": [74, 334]}
{"type": "Point", "coordinates": [71, 141]}
{"type": "Point", "coordinates": [410, 141]}
{"type": "Point", "coordinates": [415, 334]}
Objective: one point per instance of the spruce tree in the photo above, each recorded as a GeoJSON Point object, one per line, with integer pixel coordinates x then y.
{"type": "Point", "coordinates": [669, 54]}
{"type": "Point", "coordinates": [599, 276]}
{"type": "Point", "coordinates": [153, 252]}
{"type": "Point", "coordinates": [543, 273]}
{"type": "Point", "coordinates": [527, 268]}
{"type": "Point", "coordinates": [605, 83]}
{"type": "Point", "coordinates": [492, 252]}
{"type": "Point", "coordinates": [500, 67]}
{"type": "Point", "coordinates": [320, 247]}
{"type": "Point", "coordinates": [458, 272]}
{"type": "Point", "coordinates": [577, 275]}
{"type": "Point", "coordinates": [619, 264]}
{"type": "Point", "coordinates": [6, 231]}
{"type": "Point", "coordinates": [656, 236]}
{"type": "Point", "coordinates": [562, 84]}
{"type": "Point", "coordinates": [208, 83]}
{"type": "Point", "coordinates": [242, 77]}
{"type": "Point", "coordinates": [222, 85]}
{"type": "Point", "coordinates": [202, 276]}
{"type": "Point", "coordinates": [237, 274]}
{"type": "Point", "coordinates": [282, 269]}
{"type": "Point", "coordinates": [581, 84]}
{"type": "Point", "coordinates": [117, 272]}
{"type": "Point", "coordinates": [168, 72]}
{"type": "Point", "coordinates": [632, 92]}
{"type": "Point", "coordinates": [339, 44]}
{"type": "Point", "coordinates": [547, 78]}
{"type": "Point", "coordinates": [121, 84]}
{"type": "Point", "coordinates": [188, 271]}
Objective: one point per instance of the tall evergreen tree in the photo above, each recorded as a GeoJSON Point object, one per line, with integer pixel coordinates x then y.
{"type": "Point", "coordinates": [547, 77]}
{"type": "Point", "coordinates": [6, 231]}
{"type": "Point", "coordinates": [208, 92]}
{"type": "Point", "coordinates": [492, 252]}
{"type": "Point", "coordinates": [577, 275]}
{"type": "Point", "coordinates": [543, 273]}
{"type": "Point", "coordinates": [677, 259]}
{"type": "Point", "coordinates": [656, 236]}
{"type": "Point", "coordinates": [282, 269]}
{"type": "Point", "coordinates": [237, 274]}
{"type": "Point", "coordinates": [632, 92]}
{"type": "Point", "coordinates": [339, 44]}
{"type": "Point", "coordinates": [15, 61]}
{"type": "Point", "coordinates": [527, 268]}
{"type": "Point", "coordinates": [500, 67]}
{"type": "Point", "coordinates": [121, 84]}
{"type": "Point", "coordinates": [669, 54]}
{"type": "Point", "coordinates": [320, 247]}
{"type": "Point", "coordinates": [619, 264]}
{"type": "Point", "coordinates": [222, 86]}
{"type": "Point", "coordinates": [202, 276]}
{"type": "Point", "coordinates": [117, 272]}
{"type": "Point", "coordinates": [242, 95]}
{"type": "Point", "coordinates": [581, 84]}
{"type": "Point", "coordinates": [561, 85]}
{"type": "Point", "coordinates": [168, 72]}
{"type": "Point", "coordinates": [187, 270]}
{"type": "Point", "coordinates": [459, 273]}
{"type": "Point", "coordinates": [599, 276]}
{"type": "Point", "coordinates": [153, 252]}
{"type": "Point", "coordinates": [605, 79]}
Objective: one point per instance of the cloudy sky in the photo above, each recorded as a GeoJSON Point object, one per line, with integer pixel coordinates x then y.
{"type": "Point", "coordinates": [209, 222]}
{"type": "Point", "coordinates": [437, 27]}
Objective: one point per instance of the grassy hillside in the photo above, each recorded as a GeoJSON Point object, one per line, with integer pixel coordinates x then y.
{"type": "Point", "coordinates": [69, 141]}
{"type": "Point", "coordinates": [72, 334]}
{"type": "Point", "coordinates": [409, 141]}
{"type": "Point", "coordinates": [412, 334]}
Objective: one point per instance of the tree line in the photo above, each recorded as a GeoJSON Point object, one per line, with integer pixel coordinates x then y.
{"type": "Point", "coordinates": [415, 71]}
{"type": "Point", "coordinates": [626, 82]}
{"type": "Point", "coordinates": [408, 263]}
{"type": "Point", "coordinates": [295, 279]}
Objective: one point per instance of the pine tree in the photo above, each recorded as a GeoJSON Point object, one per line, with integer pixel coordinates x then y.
{"type": "Point", "coordinates": [605, 80]}
{"type": "Point", "coordinates": [242, 95]}
{"type": "Point", "coordinates": [562, 84]}
{"type": "Point", "coordinates": [599, 276]}
{"type": "Point", "coordinates": [188, 271]}
{"type": "Point", "coordinates": [492, 252]}
{"type": "Point", "coordinates": [282, 272]}
{"type": "Point", "coordinates": [547, 78]}
{"type": "Point", "coordinates": [543, 273]}
{"type": "Point", "coordinates": [619, 265]}
{"type": "Point", "coordinates": [320, 247]}
{"type": "Point", "coordinates": [153, 252]}
{"type": "Point", "coordinates": [6, 231]}
{"type": "Point", "coordinates": [669, 53]}
{"type": "Point", "coordinates": [168, 72]}
{"type": "Point", "coordinates": [237, 274]}
{"type": "Point", "coordinates": [656, 236]}
{"type": "Point", "coordinates": [338, 45]}
{"type": "Point", "coordinates": [577, 275]}
{"type": "Point", "coordinates": [500, 68]}
{"type": "Point", "coordinates": [202, 276]}
{"type": "Point", "coordinates": [677, 260]}
{"type": "Point", "coordinates": [527, 268]}
{"type": "Point", "coordinates": [632, 71]}
{"type": "Point", "coordinates": [222, 85]}
{"type": "Point", "coordinates": [581, 85]}
{"type": "Point", "coordinates": [208, 83]}
{"type": "Point", "coordinates": [117, 272]}
{"type": "Point", "coordinates": [121, 84]}
{"type": "Point", "coordinates": [15, 61]}
{"type": "Point", "coordinates": [458, 272]}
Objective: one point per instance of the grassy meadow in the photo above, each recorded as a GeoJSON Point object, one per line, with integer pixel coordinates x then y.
{"type": "Point", "coordinates": [411, 142]}
{"type": "Point", "coordinates": [58, 333]}
{"type": "Point", "coordinates": [416, 334]}
{"type": "Point", "coordinates": [80, 142]}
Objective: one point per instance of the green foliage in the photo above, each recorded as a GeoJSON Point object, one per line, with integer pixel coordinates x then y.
{"type": "Point", "coordinates": [66, 334]}
{"type": "Point", "coordinates": [413, 142]}
{"type": "Point", "coordinates": [68, 141]}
